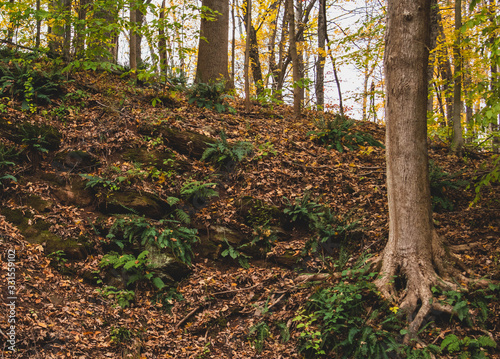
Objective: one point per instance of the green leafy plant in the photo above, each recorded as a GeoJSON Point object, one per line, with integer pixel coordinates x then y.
{"type": "Point", "coordinates": [222, 153]}
{"type": "Point", "coordinates": [211, 96]}
{"type": "Point", "coordinates": [258, 334]}
{"type": "Point", "coordinates": [303, 211]}
{"type": "Point", "coordinates": [269, 97]}
{"type": "Point", "coordinates": [99, 182]}
{"type": "Point", "coordinates": [123, 297]}
{"type": "Point", "coordinates": [58, 258]}
{"type": "Point", "coordinates": [165, 233]}
{"type": "Point", "coordinates": [467, 347]}
{"type": "Point", "coordinates": [264, 150]}
{"type": "Point", "coordinates": [349, 319]}
{"type": "Point", "coordinates": [137, 268]}
{"type": "Point", "coordinates": [331, 230]}
{"type": "Point", "coordinates": [338, 134]}
{"type": "Point", "coordinates": [441, 183]}
{"type": "Point", "coordinates": [235, 255]}
{"type": "Point", "coordinates": [198, 193]}
{"type": "Point", "coordinates": [120, 335]}
{"type": "Point", "coordinates": [7, 155]}
{"type": "Point", "coordinates": [35, 138]}
{"type": "Point", "coordinates": [22, 81]}
{"type": "Point", "coordinates": [492, 176]}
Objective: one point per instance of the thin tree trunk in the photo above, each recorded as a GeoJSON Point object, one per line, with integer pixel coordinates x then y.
{"type": "Point", "coordinates": [320, 63]}
{"type": "Point", "coordinates": [247, 55]}
{"type": "Point", "coordinates": [133, 39]}
{"type": "Point", "coordinates": [162, 44]}
{"type": "Point", "coordinates": [458, 139]}
{"type": "Point", "coordinates": [295, 60]}
{"type": "Point", "coordinates": [445, 69]}
{"type": "Point", "coordinates": [233, 43]}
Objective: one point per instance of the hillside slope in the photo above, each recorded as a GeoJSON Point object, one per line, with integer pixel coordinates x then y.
{"type": "Point", "coordinates": [100, 165]}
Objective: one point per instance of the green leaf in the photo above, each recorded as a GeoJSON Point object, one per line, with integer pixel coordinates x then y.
{"type": "Point", "coordinates": [158, 283]}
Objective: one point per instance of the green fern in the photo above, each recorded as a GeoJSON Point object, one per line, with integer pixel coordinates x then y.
{"type": "Point", "coordinates": [221, 152]}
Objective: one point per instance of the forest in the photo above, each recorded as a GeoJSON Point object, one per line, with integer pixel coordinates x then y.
{"type": "Point", "coordinates": [250, 179]}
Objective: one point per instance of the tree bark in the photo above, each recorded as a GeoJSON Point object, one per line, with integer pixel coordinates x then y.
{"type": "Point", "coordinates": [414, 251]}
{"type": "Point", "coordinates": [320, 63]}
{"type": "Point", "coordinates": [213, 56]}
{"type": "Point", "coordinates": [133, 39]}
{"type": "Point", "coordinates": [295, 60]}
{"type": "Point", "coordinates": [458, 138]}
{"type": "Point", "coordinates": [247, 55]}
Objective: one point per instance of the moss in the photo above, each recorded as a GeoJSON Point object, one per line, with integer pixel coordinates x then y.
{"type": "Point", "coordinates": [256, 212]}
{"type": "Point", "coordinates": [38, 203]}
{"type": "Point", "coordinates": [39, 233]}
{"type": "Point", "coordinates": [143, 203]}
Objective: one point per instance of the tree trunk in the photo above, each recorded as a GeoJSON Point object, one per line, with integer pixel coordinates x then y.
{"type": "Point", "coordinates": [413, 251]}
{"type": "Point", "coordinates": [295, 60]}
{"type": "Point", "coordinates": [444, 69]}
{"type": "Point", "coordinates": [212, 62]}
{"type": "Point", "coordinates": [247, 55]}
{"type": "Point", "coordinates": [162, 43]}
{"type": "Point", "coordinates": [320, 63]}
{"type": "Point", "coordinates": [133, 39]}
{"type": "Point", "coordinates": [458, 138]}
{"type": "Point", "coordinates": [80, 26]}
{"type": "Point", "coordinates": [432, 56]}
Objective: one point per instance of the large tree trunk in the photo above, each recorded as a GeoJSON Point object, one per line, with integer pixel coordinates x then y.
{"type": "Point", "coordinates": [413, 252]}
{"type": "Point", "coordinates": [213, 45]}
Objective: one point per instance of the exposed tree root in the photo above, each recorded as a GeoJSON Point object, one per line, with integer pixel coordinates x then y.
{"type": "Point", "coordinates": [419, 276]}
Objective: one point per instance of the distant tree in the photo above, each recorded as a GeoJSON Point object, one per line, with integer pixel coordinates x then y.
{"type": "Point", "coordinates": [297, 100]}
{"type": "Point", "coordinates": [414, 252]}
{"type": "Point", "coordinates": [213, 52]}
{"type": "Point", "coordinates": [458, 138]}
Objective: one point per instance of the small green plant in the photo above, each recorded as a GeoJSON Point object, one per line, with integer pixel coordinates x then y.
{"type": "Point", "coordinates": [303, 211]}
{"type": "Point", "coordinates": [211, 96]}
{"type": "Point", "coordinates": [338, 134]}
{"type": "Point", "coordinates": [269, 97]}
{"type": "Point", "coordinates": [120, 335]}
{"type": "Point", "coordinates": [165, 233]}
{"type": "Point", "coordinates": [137, 268]}
{"type": "Point", "coordinates": [258, 333]}
{"type": "Point", "coordinates": [99, 182]}
{"type": "Point", "coordinates": [467, 347]}
{"type": "Point", "coordinates": [350, 319]}
{"type": "Point", "coordinates": [21, 80]}
{"type": "Point", "coordinates": [492, 176]}
{"type": "Point", "coordinates": [58, 258]}
{"type": "Point", "coordinates": [235, 255]}
{"type": "Point", "coordinates": [198, 193]}
{"type": "Point", "coordinates": [264, 150]}
{"type": "Point", "coordinates": [330, 230]}
{"type": "Point", "coordinates": [222, 153]}
{"type": "Point", "coordinates": [441, 183]}
{"type": "Point", "coordinates": [35, 138]}
{"type": "Point", "coordinates": [123, 297]}
{"type": "Point", "coordinates": [7, 155]}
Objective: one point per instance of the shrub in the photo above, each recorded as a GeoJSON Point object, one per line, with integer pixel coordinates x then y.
{"type": "Point", "coordinates": [338, 134]}
{"type": "Point", "coordinates": [165, 233]}
{"type": "Point", "coordinates": [198, 193]}
{"type": "Point", "coordinates": [303, 211]}
{"type": "Point", "coordinates": [29, 85]}
{"type": "Point", "coordinates": [222, 153]}
{"type": "Point", "coordinates": [211, 96]}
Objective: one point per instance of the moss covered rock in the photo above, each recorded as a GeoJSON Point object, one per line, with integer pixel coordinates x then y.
{"type": "Point", "coordinates": [144, 203]}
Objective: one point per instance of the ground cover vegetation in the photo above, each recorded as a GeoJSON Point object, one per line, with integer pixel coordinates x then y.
{"type": "Point", "coordinates": [155, 213]}
{"type": "Point", "coordinates": [172, 251]}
